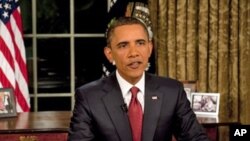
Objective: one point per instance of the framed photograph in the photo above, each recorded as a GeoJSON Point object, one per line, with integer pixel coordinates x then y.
{"type": "Point", "coordinates": [7, 103]}
{"type": "Point", "coordinates": [205, 103]}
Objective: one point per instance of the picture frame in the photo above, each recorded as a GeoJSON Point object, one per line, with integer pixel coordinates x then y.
{"type": "Point", "coordinates": [7, 103]}
{"type": "Point", "coordinates": [205, 103]}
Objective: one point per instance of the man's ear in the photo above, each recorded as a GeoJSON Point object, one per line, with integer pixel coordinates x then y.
{"type": "Point", "coordinates": [150, 45]}
{"type": "Point", "coordinates": [108, 54]}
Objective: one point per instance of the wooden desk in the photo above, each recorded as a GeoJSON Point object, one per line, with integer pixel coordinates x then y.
{"type": "Point", "coordinates": [39, 126]}
{"type": "Point", "coordinates": [53, 126]}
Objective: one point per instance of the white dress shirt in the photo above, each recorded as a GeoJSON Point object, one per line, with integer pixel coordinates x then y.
{"type": "Point", "coordinates": [126, 86]}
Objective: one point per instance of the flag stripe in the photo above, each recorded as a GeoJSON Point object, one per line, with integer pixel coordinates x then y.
{"type": "Point", "coordinates": [4, 80]}
{"type": "Point", "coordinates": [19, 50]}
{"type": "Point", "coordinates": [18, 20]}
{"type": "Point", "coordinates": [6, 53]}
{"type": "Point", "coordinates": [7, 72]}
{"type": "Point", "coordinates": [22, 83]}
{"type": "Point", "coordinates": [7, 38]}
{"type": "Point", "coordinates": [17, 28]}
{"type": "Point", "coordinates": [21, 100]}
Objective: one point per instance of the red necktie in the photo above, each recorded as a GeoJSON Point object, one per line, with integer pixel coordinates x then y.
{"type": "Point", "coordinates": [135, 115]}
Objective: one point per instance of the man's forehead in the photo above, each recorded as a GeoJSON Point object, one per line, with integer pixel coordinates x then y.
{"type": "Point", "coordinates": [126, 28]}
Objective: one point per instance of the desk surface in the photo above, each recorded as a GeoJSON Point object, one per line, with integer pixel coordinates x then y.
{"type": "Point", "coordinates": [58, 121]}
{"type": "Point", "coordinates": [36, 122]}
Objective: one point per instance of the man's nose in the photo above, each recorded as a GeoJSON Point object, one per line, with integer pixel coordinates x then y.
{"type": "Point", "coordinates": [133, 51]}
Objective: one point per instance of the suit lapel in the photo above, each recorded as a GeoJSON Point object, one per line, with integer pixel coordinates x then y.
{"type": "Point", "coordinates": [113, 102]}
{"type": "Point", "coordinates": [153, 100]}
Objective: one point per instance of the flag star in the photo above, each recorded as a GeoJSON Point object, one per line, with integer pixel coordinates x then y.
{"type": "Point", "coordinates": [1, 6]}
{"type": "Point", "coordinates": [7, 6]}
{"type": "Point", "coordinates": [5, 14]}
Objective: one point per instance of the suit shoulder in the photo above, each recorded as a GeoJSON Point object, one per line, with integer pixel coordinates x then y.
{"type": "Point", "coordinates": [166, 81]}
{"type": "Point", "coordinates": [92, 86]}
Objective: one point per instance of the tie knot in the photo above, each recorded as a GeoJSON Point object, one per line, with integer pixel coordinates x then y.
{"type": "Point", "coordinates": [134, 91]}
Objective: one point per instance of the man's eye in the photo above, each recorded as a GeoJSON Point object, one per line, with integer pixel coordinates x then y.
{"type": "Point", "coordinates": [140, 43]}
{"type": "Point", "coordinates": [122, 45]}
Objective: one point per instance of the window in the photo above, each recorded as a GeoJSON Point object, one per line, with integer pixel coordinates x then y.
{"type": "Point", "coordinates": [64, 42]}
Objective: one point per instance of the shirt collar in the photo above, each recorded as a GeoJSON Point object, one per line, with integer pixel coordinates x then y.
{"type": "Point", "coordinates": [125, 85]}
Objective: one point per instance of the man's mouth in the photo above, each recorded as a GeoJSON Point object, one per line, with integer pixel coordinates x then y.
{"type": "Point", "coordinates": [135, 65]}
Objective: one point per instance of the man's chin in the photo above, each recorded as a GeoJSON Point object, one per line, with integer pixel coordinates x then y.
{"type": "Point", "coordinates": [136, 73]}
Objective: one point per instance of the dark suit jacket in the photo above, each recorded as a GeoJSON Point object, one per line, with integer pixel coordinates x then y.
{"type": "Point", "coordinates": [98, 114]}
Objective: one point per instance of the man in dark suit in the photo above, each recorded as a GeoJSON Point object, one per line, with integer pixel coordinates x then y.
{"type": "Point", "coordinates": [102, 109]}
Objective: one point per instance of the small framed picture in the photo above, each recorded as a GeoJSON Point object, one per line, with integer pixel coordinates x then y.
{"type": "Point", "coordinates": [205, 103]}
{"type": "Point", "coordinates": [7, 103]}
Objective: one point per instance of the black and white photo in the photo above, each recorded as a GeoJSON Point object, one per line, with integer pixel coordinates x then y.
{"type": "Point", "coordinates": [205, 103]}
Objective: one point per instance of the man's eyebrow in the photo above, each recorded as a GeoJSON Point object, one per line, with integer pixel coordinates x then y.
{"type": "Point", "coordinates": [139, 40]}
{"type": "Point", "coordinates": [123, 42]}
{"type": "Point", "coordinates": [127, 42]}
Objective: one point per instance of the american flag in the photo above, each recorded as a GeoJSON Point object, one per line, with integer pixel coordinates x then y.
{"type": "Point", "coordinates": [13, 71]}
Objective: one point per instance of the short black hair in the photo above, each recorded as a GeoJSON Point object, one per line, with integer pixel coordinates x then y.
{"type": "Point", "coordinates": [120, 22]}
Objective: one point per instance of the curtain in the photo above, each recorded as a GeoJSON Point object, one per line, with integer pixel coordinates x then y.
{"type": "Point", "coordinates": [207, 41]}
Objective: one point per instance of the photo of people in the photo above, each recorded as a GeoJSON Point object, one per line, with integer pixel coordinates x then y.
{"type": "Point", "coordinates": [7, 103]}
{"type": "Point", "coordinates": [206, 103]}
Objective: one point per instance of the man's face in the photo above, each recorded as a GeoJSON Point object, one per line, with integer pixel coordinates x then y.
{"type": "Point", "coordinates": [130, 49]}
